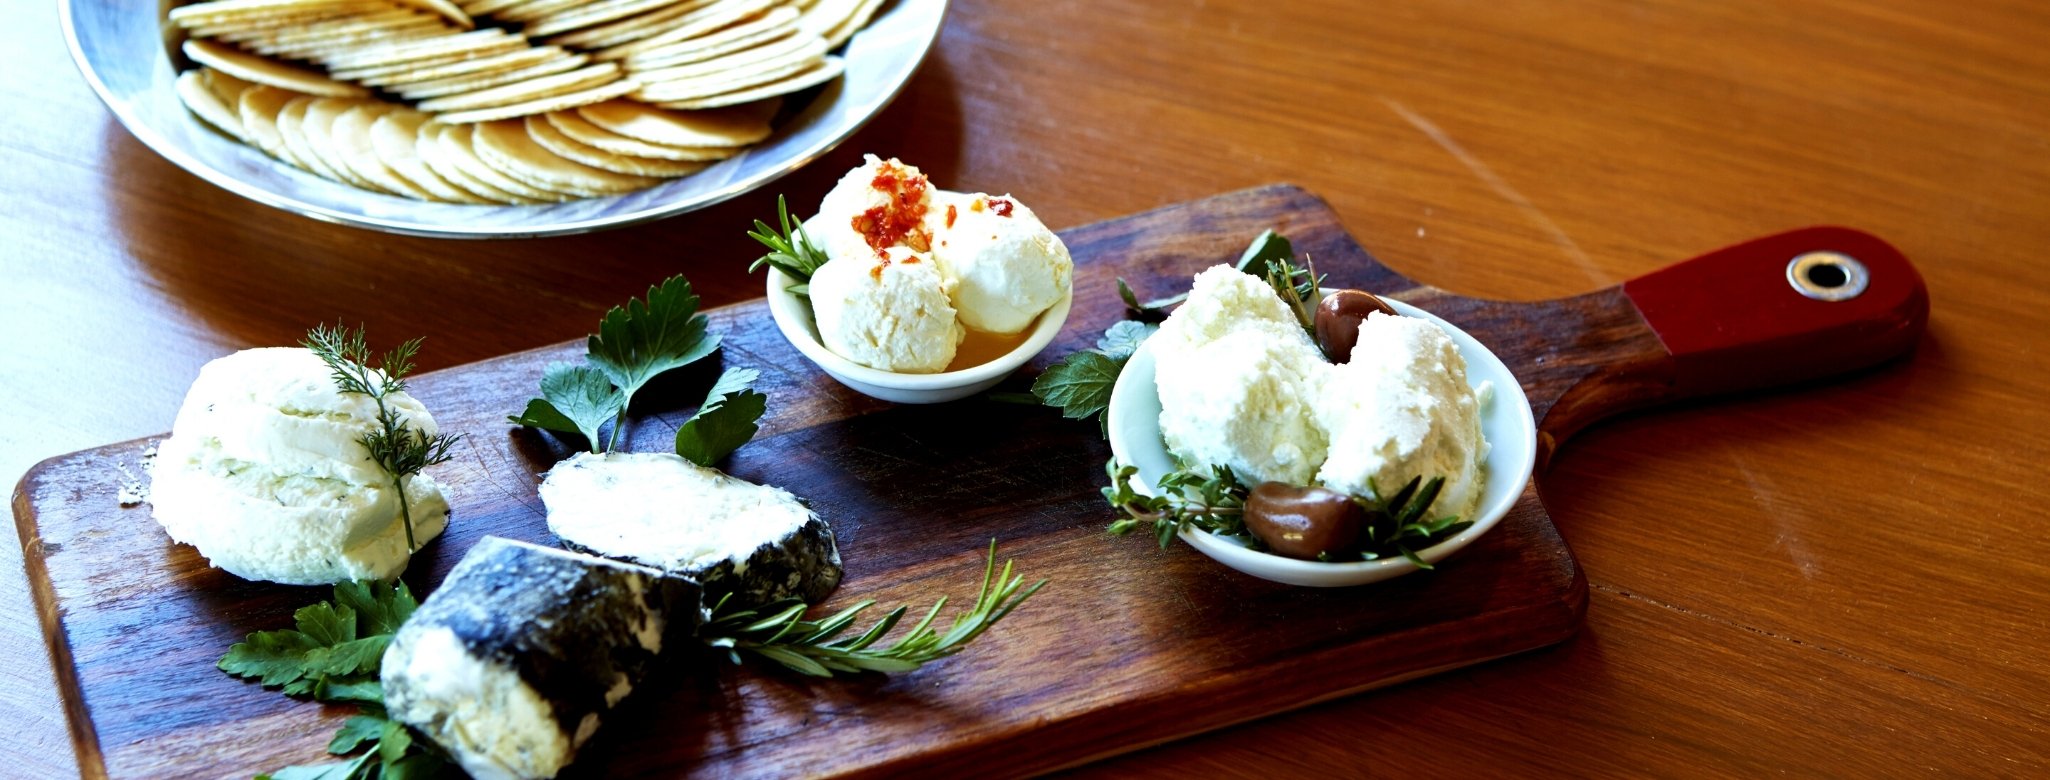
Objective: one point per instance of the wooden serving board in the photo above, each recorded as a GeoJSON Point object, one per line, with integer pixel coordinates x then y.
{"type": "Point", "coordinates": [1127, 646]}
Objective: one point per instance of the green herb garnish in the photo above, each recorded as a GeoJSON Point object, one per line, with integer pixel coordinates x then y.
{"type": "Point", "coordinates": [1213, 502]}
{"type": "Point", "coordinates": [790, 251]}
{"type": "Point", "coordinates": [633, 345]}
{"type": "Point", "coordinates": [399, 449]}
{"type": "Point", "coordinates": [725, 421]}
{"type": "Point", "coordinates": [779, 632]}
{"type": "Point", "coordinates": [1080, 384]}
{"type": "Point", "coordinates": [1398, 525]}
{"type": "Point", "coordinates": [333, 656]}
{"type": "Point", "coordinates": [335, 649]}
{"type": "Point", "coordinates": [1151, 311]}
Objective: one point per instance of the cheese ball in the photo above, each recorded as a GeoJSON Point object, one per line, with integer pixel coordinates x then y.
{"type": "Point", "coordinates": [891, 312]}
{"type": "Point", "coordinates": [265, 473]}
{"type": "Point", "coordinates": [1006, 265]}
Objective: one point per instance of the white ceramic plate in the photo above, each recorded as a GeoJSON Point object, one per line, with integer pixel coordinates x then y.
{"type": "Point", "coordinates": [124, 51]}
{"type": "Point", "coordinates": [794, 318]}
{"type": "Point", "coordinates": [1505, 420]}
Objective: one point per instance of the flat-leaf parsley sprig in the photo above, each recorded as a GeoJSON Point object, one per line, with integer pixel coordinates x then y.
{"type": "Point", "coordinates": [633, 345]}
{"type": "Point", "coordinates": [400, 450]}
{"type": "Point", "coordinates": [778, 631]}
{"type": "Point", "coordinates": [1079, 385]}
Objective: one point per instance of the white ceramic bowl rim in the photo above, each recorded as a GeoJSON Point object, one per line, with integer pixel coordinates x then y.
{"type": "Point", "coordinates": [794, 317]}
{"type": "Point", "coordinates": [1513, 453]}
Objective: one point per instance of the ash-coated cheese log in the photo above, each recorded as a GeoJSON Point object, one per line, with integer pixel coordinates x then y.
{"type": "Point", "coordinates": [511, 662]}
{"type": "Point", "coordinates": [756, 542]}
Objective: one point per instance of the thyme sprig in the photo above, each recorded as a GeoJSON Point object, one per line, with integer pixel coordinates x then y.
{"type": "Point", "coordinates": [779, 632]}
{"type": "Point", "coordinates": [1213, 502]}
{"type": "Point", "coordinates": [1216, 502]}
{"type": "Point", "coordinates": [790, 250]}
{"type": "Point", "coordinates": [400, 450]}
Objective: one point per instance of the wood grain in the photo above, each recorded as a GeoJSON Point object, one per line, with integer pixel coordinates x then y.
{"type": "Point", "coordinates": [1838, 580]}
{"type": "Point", "coordinates": [1169, 644]}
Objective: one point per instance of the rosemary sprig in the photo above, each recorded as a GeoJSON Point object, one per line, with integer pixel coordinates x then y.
{"type": "Point", "coordinates": [1297, 288]}
{"type": "Point", "coordinates": [1399, 525]}
{"type": "Point", "coordinates": [778, 631]}
{"type": "Point", "coordinates": [400, 450]}
{"type": "Point", "coordinates": [1214, 502]}
{"type": "Point", "coordinates": [790, 251]}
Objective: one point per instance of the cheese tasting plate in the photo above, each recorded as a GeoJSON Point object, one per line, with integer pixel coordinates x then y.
{"type": "Point", "coordinates": [1127, 645]}
{"type": "Point", "coordinates": [123, 55]}
{"type": "Point", "coordinates": [1133, 425]}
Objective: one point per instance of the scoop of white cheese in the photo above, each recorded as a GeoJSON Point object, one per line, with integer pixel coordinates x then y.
{"type": "Point", "coordinates": [1006, 265]}
{"type": "Point", "coordinates": [1402, 409]}
{"type": "Point", "coordinates": [1237, 379]}
{"type": "Point", "coordinates": [265, 473]}
{"type": "Point", "coordinates": [891, 312]}
{"type": "Point", "coordinates": [852, 201]}
{"type": "Point", "coordinates": [1243, 385]}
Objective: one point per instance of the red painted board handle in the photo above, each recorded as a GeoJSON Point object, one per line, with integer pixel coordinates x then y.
{"type": "Point", "coordinates": [1798, 305]}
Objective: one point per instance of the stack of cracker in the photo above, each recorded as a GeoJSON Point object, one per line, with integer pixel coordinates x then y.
{"type": "Point", "coordinates": [511, 101]}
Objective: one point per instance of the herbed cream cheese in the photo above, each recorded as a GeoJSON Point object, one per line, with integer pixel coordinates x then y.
{"type": "Point", "coordinates": [1242, 385]}
{"type": "Point", "coordinates": [266, 475]}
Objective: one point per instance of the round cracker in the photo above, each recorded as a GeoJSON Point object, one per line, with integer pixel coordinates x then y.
{"type": "Point", "coordinates": [456, 85]}
{"type": "Point", "coordinates": [634, 28]}
{"type": "Point", "coordinates": [317, 28]}
{"type": "Point", "coordinates": [524, 91]}
{"type": "Point", "coordinates": [263, 70]}
{"type": "Point", "coordinates": [444, 9]}
{"type": "Point", "coordinates": [318, 128]}
{"type": "Point", "coordinates": [690, 26]}
{"type": "Point", "coordinates": [396, 139]}
{"type": "Point", "coordinates": [292, 128]}
{"type": "Point", "coordinates": [258, 108]}
{"type": "Point", "coordinates": [459, 142]}
{"type": "Point", "coordinates": [477, 8]}
{"type": "Point", "coordinates": [826, 71]}
{"type": "Point", "coordinates": [535, 9]}
{"type": "Point", "coordinates": [443, 164]}
{"type": "Point", "coordinates": [803, 46]}
{"type": "Point", "coordinates": [754, 75]}
{"type": "Point", "coordinates": [777, 24]}
{"type": "Point", "coordinates": [555, 103]}
{"type": "Point", "coordinates": [595, 13]}
{"type": "Point", "coordinates": [317, 51]}
{"type": "Point", "coordinates": [517, 58]}
{"type": "Point", "coordinates": [555, 141]}
{"type": "Point", "coordinates": [475, 43]}
{"type": "Point", "coordinates": [228, 87]}
{"type": "Point", "coordinates": [847, 29]}
{"type": "Point", "coordinates": [577, 127]}
{"type": "Point", "coordinates": [675, 128]}
{"type": "Point", "coordinates": [230, 10]}
{"type": "Point", "coordinates": [206, 104]}
{"type": "Point", "coordinates": [506, 145]}
{"type": "Point", "coordinates": [351, 137]}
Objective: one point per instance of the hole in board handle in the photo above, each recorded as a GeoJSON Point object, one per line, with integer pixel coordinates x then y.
{"type": "Point", "coordinates": [1827, 276]}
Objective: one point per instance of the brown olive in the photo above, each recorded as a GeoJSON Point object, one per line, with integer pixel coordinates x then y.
{"type": "Point", "coordinates": [1301, 522]}
{"type": "Point", "coordinates": [1338, 321]}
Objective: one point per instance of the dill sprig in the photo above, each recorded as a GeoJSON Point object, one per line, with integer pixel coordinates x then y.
{"type": "Point", "coordinates": [400, 450]}
{"type": "Point", "coordinates": [790, 251]}
{"type": "Point", "coordinates": [778, 631]}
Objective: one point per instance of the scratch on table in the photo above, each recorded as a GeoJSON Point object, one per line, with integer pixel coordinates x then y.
{"type": "Point", "coordinates": [1788, 537]}
{"type": "Point", "coordinates": [1487, 175]}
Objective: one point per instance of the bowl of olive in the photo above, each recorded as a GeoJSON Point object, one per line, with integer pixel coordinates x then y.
{"type": "Point", "coordinates": [1506, 421]}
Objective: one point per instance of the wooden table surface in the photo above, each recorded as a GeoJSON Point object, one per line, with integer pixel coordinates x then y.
{"type": "Point", "coordinates": [1843, 579]}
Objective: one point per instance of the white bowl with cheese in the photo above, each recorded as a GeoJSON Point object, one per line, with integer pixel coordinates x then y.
{"type": "Point", "coordinates": [1506, 421]}
{"type": "Point", "coordinates": [794, 318]}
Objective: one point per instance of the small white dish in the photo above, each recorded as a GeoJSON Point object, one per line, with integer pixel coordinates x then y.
{"type": "Point", "coordinates": [1506, 421]}
{"type": "Point", "coordinates": [793, 316]}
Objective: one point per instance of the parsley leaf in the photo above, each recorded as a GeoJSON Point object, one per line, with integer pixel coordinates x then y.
{"type": "Point", "coordinates": [639, 340]}
{"type": "Point", "coordinates": [725, 421]}
{"type": "Point", "coordinates": [324, 653]}
{"type": "Point", "coordinates": [1266, 248]}
{"type": "Point", "coordinates": [1151, 311]}
{"type": "Point", "coordinates": [574, 399]}
{"type": "Point", "coordinates": [1080, 385]}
